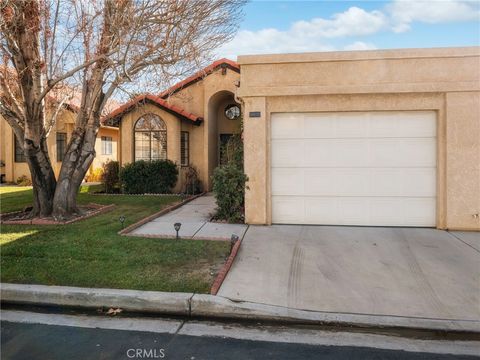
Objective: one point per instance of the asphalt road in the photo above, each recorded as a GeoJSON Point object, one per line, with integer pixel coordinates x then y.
{"type": "Point", "coordinates": [44, 342]}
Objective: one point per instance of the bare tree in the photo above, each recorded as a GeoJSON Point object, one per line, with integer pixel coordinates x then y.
{"type": "Point", "coordinates": [97, 48]}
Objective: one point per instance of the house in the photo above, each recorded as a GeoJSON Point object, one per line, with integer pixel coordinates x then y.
{"type": "Point", "coordinates": [367, 138]}
{"type": "Point", "coordinates": [187, 123]}
{"type": "Point", "coordinates": [12, 159]}
{"type": "Point", "coordinates": [377, 138]}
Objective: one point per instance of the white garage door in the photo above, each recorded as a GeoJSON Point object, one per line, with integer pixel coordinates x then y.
{"type": "Point", "coordinates": [356, 168]}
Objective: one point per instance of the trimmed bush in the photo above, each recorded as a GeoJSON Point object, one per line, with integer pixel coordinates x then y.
{"type": "Point", "coordinates": [229, 189]}
{"type": "Point", "coordinates": [149, 177]}
{"type": "Point", "coordinates": [111, 177]}
{"type": "Point", "coordinates": [229, 183]}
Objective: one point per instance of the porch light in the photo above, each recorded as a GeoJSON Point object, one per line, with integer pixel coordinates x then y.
{"type": "Point", "coordinates": [233, 240]}
{"type": "Point", "coordinates": [177, 227]}
{"type": "Point", "coordinates": [122, 220]}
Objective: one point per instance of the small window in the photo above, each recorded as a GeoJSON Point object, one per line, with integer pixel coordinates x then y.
{"type": "Point", "coordinates": [61, 145]}
{"type": "Point", "coordinates": [185, 148]}
{"type": "Point", "coordinates": [232, 112]}
{"type": "Point", "coordinates": [19, 155]}
{"type": "Point", "coordinates": [106, 145]}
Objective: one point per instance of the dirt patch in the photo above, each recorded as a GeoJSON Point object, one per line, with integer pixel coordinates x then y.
{"type": "Point", "coordinates": [24, 218]}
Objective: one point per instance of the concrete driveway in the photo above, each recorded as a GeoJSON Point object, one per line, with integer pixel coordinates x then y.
{"type": "Point", "coordinates": [410, 272]}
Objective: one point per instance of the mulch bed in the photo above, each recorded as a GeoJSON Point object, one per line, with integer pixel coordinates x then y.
{"type": "Point", "coordinates": [22, 217]}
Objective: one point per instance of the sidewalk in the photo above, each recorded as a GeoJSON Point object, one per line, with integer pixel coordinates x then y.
{"type": "Point", "coordinates": [195, 219]}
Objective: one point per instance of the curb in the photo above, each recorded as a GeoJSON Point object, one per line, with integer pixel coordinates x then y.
{"type": "Point", "coordinates": [211, 306]}
{"type": "Point", "coordinates": [149, 218]}
{"type": "Point", "coordinates": [130, 300]}
{"type": "Point", "coordinates": [222, 274]}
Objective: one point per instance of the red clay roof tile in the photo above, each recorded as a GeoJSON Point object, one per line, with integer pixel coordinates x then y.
{"type": "Point", "coordinates": [199, 75]}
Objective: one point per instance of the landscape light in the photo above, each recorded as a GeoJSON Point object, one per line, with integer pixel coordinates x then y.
{"type": "Point", "coordinates": [121, 219]}
{"type": "Point", "coordinates": [177, 227]}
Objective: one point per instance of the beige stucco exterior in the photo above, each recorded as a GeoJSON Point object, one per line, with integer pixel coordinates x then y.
{"type": "Point", "coordinates": [65, 122]}
{"type": "Point", "coordinates": [444, 80]}
{"type": "Point", "coordinates": [206, 98]}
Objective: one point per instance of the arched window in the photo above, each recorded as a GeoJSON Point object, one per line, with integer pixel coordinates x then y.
{"type": "Point", "coordinates": [150, 138]}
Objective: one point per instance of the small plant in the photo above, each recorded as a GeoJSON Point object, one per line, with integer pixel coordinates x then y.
{"type": "Point", "coordinates": [24, 181]}
{"type": "Point", "coordinates": [192, 182]}
{"type": "Point", "coordinates": [94, 175]}
{"type": "Point", "coordinates": [149, 177]}
{"type": "Point", "coordinates": [110, 176]}
{"type": "Point", "coordinates": [229, 183]}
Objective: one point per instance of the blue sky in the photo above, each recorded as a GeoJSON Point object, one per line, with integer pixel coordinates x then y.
{"type": "Point", "coordinates": [302, 26]}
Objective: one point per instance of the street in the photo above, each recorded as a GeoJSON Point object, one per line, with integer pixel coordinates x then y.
{"type": "Point", "coordinates": [29, 335]}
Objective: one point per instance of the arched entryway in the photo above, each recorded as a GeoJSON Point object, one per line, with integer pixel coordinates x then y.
{"type": "Point", "coordinates": [224, 115]}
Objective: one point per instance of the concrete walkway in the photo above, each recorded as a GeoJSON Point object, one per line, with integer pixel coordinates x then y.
{"type": "Point", "coordinates": [409, 272]}
{"type": "Point", "coordinates": [195, 219]}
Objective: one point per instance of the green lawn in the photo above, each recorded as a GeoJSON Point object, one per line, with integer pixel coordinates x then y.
{"type": "Point", "coordinates": [89, 253]}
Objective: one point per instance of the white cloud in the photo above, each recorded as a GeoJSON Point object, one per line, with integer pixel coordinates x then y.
{"type": "Point", "coordinates": [304, 36]}
{"type": "Point", "coordinates": [318, 33]}
{"type": "Point", "coordinates": [353, 22]}
{"type": "Point", "coordinates": [404, 12]}
{"type": "Point", "coordinates": [360, 45]}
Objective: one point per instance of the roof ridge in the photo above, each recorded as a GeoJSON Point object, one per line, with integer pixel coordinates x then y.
{"type": "Point", "coordinates": [155, 99]}
{"type": "Point", "coordinates": [199, 75]}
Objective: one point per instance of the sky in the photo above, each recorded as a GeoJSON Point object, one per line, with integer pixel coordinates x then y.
{"type": "Point", "coordinates": [271, 27]}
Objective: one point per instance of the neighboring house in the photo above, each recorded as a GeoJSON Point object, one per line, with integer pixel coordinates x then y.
{"type": "Point", "coordinates": [377, 138]}
{"type": "Point", "coordinates": [13, 164]}
{"type": "Point", "coordinates": [187, 123]}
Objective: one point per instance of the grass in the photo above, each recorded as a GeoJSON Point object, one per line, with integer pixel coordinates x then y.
{"type": "Point", "coordinates": [89, 253]}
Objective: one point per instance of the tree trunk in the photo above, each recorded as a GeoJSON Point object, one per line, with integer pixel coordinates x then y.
{"type": "Point", "coordinates": [43, 177]}
{"type": "Point", "coordinates": [77, 160]}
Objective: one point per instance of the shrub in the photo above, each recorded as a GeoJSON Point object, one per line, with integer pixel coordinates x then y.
{"type": "Point", "coordinates": [192, 182]}
{"type": "Point", "coordinates": [24, 181]}
{"type": "Point", "coordinates": [229, 183]}
{"type": "Point", "coordinates": [232, 151]}
{"type": "Point", "coordinates": [110, 176]}
{"type": "Point", "coordinates": [229, 189]}
{"type": "Point", "coordinates": [156, 177]}
{"type": "Point", "coordinates": [94, 175]}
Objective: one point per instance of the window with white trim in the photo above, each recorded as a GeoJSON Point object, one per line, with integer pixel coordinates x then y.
{"type": "Point", "coordinates": [106, 145]}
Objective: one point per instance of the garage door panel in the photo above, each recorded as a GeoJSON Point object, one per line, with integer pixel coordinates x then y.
{"type": "Point", "coordinates": [409, 124]}
{"type": "Point", "coordinates": [382, 211]}
{"type": "Point", "coordinates": [287, 124]}
{"type": "Point", "coordinates": [288, 181]}
{"type": "Point", "coordinates": [334, 152]}
{"type": "Point", "coordinates": [288, 153]}
{"type": "Point", "coordinates": [372, 125]}
{"type": "Point", "coordinates": [410, 182]}
{"type": "Point", "coordinates": [288, 209]}
{"type": "Point", "coordinates": [355, 169]}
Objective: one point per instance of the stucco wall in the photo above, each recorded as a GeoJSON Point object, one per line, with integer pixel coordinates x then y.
{"type": "Point", "coordinates": [444, 80]}
{"type": "Point", "coordinates": [65, 122]}
{"type": "Point", "coordinates": [174, 126]}
{"type": "Point", "coordinates": [101, 159]}
{"type": "Point", "coordinates": [200, 99]}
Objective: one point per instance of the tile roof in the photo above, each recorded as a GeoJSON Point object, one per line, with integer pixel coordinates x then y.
{"type": "Point", "coordinates": [153, 99]}
{"type": "Point", "coordinates": [199, 76]}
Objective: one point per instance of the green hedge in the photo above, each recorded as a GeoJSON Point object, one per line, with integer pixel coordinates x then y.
{"type": "Point", "coordinates": [110, 176]}
{"type": "Point", "coordinates": [229, 183]}
{"type": "Point", "coordinates": [152, 177]}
